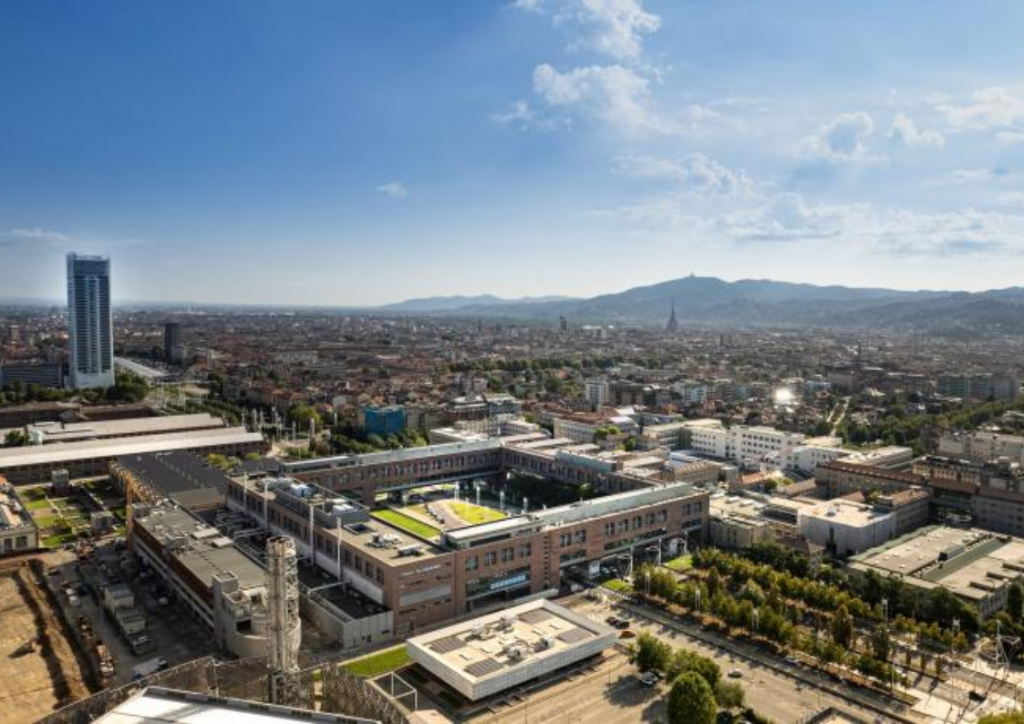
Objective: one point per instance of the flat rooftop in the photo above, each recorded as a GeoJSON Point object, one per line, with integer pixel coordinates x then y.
{"type": "Point", "coordinates": [12, 513]}
{"type": "Point", "coordinates": [574, 512]}
{"type": "Point", "coordinates": [53, 432]}
{"type": "Point", "coordinates": [845, 512]}
{"type": "Point", "coordinates": [969, 563]}
{"type": "Point", "coordinates": [175, 471]}
{"type": "Point", "coordinates": [116, 447]}
{"type": "Point", "coordinates": [199, 547]}
{"type": "Point", "coordinates": [483, 648]}
{"type": "Point", "coordinates": [155, 705]}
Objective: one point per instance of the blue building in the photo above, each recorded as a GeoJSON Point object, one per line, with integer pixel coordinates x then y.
{"type": "Point", "coordinates": [384, 421]}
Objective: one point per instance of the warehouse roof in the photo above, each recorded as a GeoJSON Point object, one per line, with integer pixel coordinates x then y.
{"type": "Point", "coordinates": [116, 447]}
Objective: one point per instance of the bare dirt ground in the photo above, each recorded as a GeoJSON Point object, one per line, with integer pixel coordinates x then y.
{"type": "Point", "coordinates": [33, 682]}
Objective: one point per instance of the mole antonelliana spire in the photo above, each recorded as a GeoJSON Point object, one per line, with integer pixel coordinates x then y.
{"type": "Point", "coordinates": [673, 323]}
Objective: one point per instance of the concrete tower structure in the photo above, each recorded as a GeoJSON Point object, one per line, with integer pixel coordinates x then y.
{"type": "Point", "coordinates": [283, 616]}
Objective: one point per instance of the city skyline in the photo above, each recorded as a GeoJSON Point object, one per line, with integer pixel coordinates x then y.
{"type": "Point", "coordinates": [270, 154]}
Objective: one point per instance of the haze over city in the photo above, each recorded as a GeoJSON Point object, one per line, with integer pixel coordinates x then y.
{"type": "Point", "coordinates": [269, 153]}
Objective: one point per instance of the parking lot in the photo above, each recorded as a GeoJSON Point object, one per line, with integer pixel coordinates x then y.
{"type": "Point", "coordinates": [780, 697]}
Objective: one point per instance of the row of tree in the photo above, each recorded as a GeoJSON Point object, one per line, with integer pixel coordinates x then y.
{"type": "Point", "coordinates": [697, 691]}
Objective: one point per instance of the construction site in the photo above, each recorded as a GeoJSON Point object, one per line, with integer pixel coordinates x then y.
{"type": "Point", "coordinates": [40, 669]}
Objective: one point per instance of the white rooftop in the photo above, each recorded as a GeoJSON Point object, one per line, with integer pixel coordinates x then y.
{"type": "Point", "coordinates": [165, 706]}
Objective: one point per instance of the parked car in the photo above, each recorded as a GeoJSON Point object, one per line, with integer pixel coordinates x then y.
{"type": "Point", "coordinates": [649, 679]}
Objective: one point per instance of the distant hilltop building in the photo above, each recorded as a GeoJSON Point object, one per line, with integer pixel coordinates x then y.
{"type": "Point", "coordinates": [673, 323]}
{"type": "Point", "coordinates": [90, 324]}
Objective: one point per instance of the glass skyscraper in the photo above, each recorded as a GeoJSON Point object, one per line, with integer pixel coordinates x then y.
{"type": "Point", "coordinates": [90, 324]}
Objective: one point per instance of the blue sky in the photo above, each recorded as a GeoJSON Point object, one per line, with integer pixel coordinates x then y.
{"type": "Point", "coordinates": [343, 152]}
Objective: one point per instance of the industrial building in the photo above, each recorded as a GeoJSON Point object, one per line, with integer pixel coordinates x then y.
{"type": "Point", "coordinates": [485, 656]}
{"type": "Point", "coordinates": [36, 463]}
{"type": "Point", "coordinates": [187, 480]}
{"type": "Point", "coordinates": [223, 587]}
{"type": "Point", "coordinates": [976, 566]}
{"type": "Point", "coordinates": [48, 433]}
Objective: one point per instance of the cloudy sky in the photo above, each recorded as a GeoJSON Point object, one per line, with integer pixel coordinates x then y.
{"type": "Point", "coordinates": [327, 152]}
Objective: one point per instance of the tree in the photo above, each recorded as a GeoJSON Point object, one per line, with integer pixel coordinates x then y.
{"type": "Point", "coordinates": [15, 438]}
{"type": "Point", "coordinates": [301, 415]}
{"type": "Point", "coordinates": [1015, 601]}
{"type": "Point", "coordinates": [842, 627]}
{"type": "Point", "coordinates": [729, 695]}
{"type": "Point", "coordinates": [714, 582]}
{"type": "Point", "coordinates": [880, 643]}
{"type": "Point", "coordinates": [691, 701]}
{"type": "Point", "coordinates": [650, 654]}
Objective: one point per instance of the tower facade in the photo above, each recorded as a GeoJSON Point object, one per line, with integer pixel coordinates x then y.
{"type": "Point", "coordinates": [90, 325]}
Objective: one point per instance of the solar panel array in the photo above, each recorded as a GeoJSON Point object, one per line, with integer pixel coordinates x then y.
{"type": "Point", "coordinates": [574, 635]}
{"type": "Point", "coordinates": [535, 616]}
{"type": "Point", "coordinates": [447, 645]}
{"type": "Point", "coordinates": [483, 668]}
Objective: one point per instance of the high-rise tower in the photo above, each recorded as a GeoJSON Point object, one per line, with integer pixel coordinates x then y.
{"type": "Point", "coordinates": [90, 324]}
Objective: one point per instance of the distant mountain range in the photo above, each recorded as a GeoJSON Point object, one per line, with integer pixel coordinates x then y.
{"type": "Point", "coordinates": [450, 304]}
{"type": "Point", "coordinates": [754, 302]}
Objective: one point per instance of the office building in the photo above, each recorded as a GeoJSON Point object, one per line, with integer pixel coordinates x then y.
{"type": "Point", "coordinates": [484, 656]}
{"type": "Point", "coordinates": [90, 325]}
{"type": "Point", "coordinates": [28, 374]}
{"type": "Point", "coordinates": [418, 582]}
{"type": "Point", "coordinates": [384, 421]}
{"type": "Point", "coordinates": [598, 393]}
{"type": "Point", "coordinates": [845, 528]}
{"type": "Point", "coordinates": [174, 351]}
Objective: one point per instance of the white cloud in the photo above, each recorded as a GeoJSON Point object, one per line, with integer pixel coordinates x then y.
{"type": "Point", "coordinates": [519, 112]}
{"type": "Point", "coordinates": [530, 6]}
{"type": "Point", "coordinates": [788, 218]}
{"type": "Point", "coordinates": [1011, 198]}
{"type": "Point", "coordinates": [33, 236]}
{"type": "Point", "coordinates": [981, 174]}
{"type": "Point", "coordinates": [394, 189]}
{"type": "Point", "coordinates": [906, 132]}
{"type": "Point", "coordinates": [840, 141]}
{"type": "Point", "coordinates": [615, 28]}
{"type": "Point", "coordinates": [989, 109]}
{"type": "Point", "coordinates": [694, 172]}
{"type": "Point", "coordinates": [1010, 138]}
{"type": "Point", "coordinates": [612, 93]}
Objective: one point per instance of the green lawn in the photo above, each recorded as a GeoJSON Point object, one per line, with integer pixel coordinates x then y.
{"type": "Point", "coordinates": [680, 564]}
{"type": "Point", "coordinates": [48, 521]}
{"type": "Point", "coordinates": [475, 514]}
{"type": "Point", "coordinates": [378, 664]}
{"type": "Point", "coordinates": [56, 541]}
{"type": "Point", "coordinates": [406, 523]}
{"type": "Point", "coordinates": [617, 584]}
{"type": "Point", "coordinates": [37, 504]}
